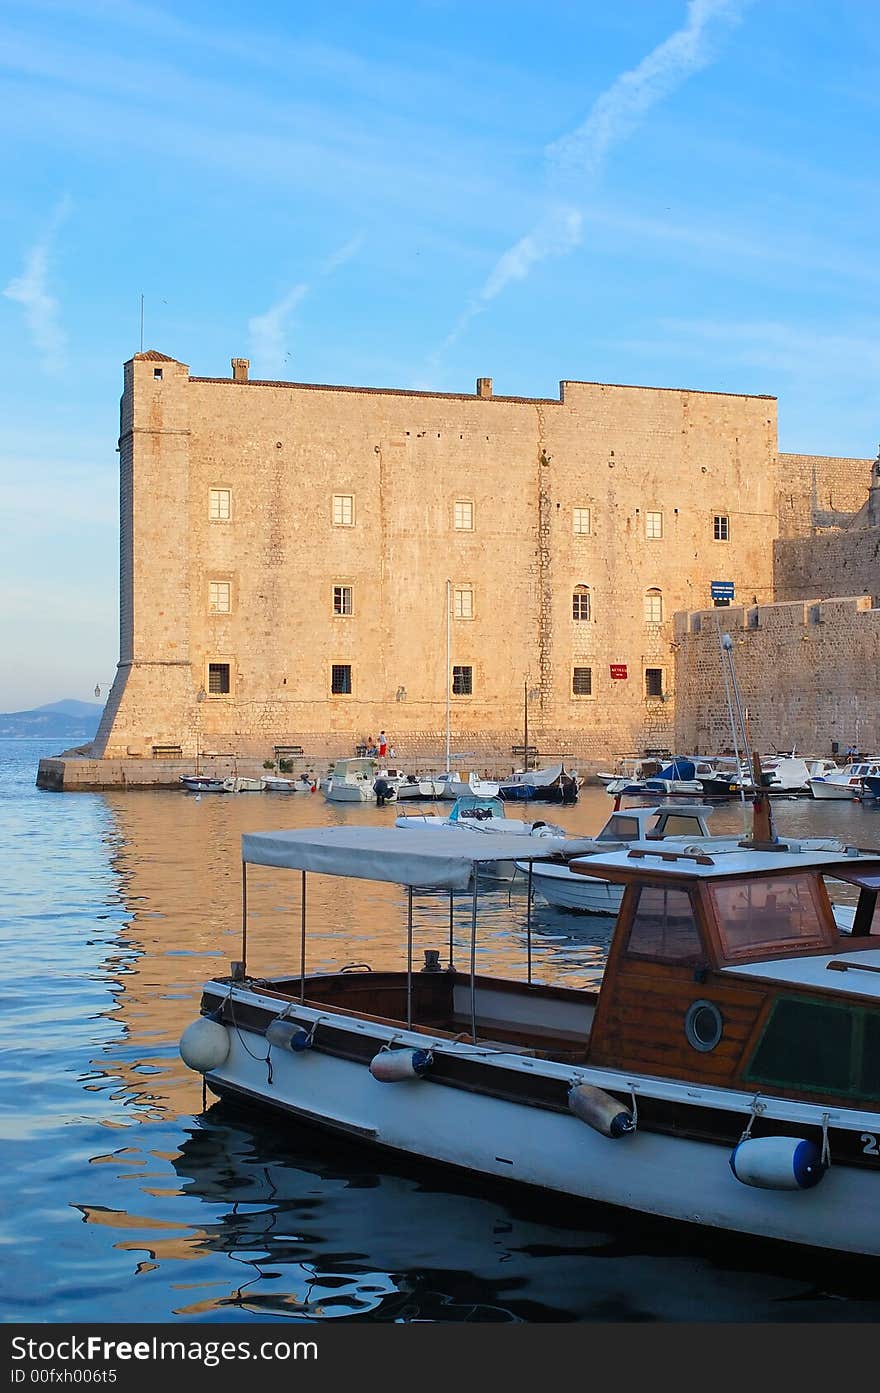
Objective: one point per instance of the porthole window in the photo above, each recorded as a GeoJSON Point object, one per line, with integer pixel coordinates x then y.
{"type": "Point", "coordinates": [703, 1025]}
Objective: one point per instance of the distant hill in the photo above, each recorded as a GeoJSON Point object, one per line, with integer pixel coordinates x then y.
{"type": "Point", "coordinates": [73, 721]}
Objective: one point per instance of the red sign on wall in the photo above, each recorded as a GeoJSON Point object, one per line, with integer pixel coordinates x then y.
{"type": "Point", "coordinates": [618, 671]}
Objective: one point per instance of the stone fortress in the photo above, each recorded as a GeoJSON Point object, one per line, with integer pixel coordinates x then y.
{"type": "Point", "coordinates": [302, 565]}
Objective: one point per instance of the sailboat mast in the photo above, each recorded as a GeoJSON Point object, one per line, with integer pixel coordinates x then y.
{"type": "Point", "coordinates": [448, 667]}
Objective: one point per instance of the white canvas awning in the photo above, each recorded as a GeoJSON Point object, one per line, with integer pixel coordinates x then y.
{"type": "Point", "coordinates": [436, 858]}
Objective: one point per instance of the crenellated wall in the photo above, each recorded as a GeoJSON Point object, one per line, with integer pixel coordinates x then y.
{"type": "Point", "coordinates": [807, 672]}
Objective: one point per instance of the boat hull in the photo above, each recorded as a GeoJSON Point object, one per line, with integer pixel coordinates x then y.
{"type": "Point", "coordinates": [652, 1172]}
{"type": "Point", "coordinates": [582, 894]}
{"type": "Point", "coordinates": [824, 789]}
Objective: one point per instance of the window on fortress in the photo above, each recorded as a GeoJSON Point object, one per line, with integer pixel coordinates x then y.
{"type": "Point", "coordinates": [582, 681]}
{"type": "Point", "coordinates": [343, 510]}
{"type": "Point", "coordinates": [653, 607]}
{"type": "Point", "coordinates": [581, 521]}
{"type": "Point", "coordinates": [580, 603]}
{"type": "Point", "coordinates": [463, 601]}
{"type": "Point", "coordinates": [218, 679]}
{"type": "Point", "coordinates": [653, 681]}
{"type": "Point", "coordinates": [219, 505]}
{"type": "Point", "coordinates": [342, 599]}
{"type": "Point", "coordinates": [463, 515]}
{"type": "Point", "coordinates": [219, 596]}
{"type": "Point", "coordinates": [340, 679]}
{"type": "Point", "coordinates": [721, 527]}
{"type": "Point", "coordinates": [462, 681]}
{"type": "Point", "coordinates": [653, 525]}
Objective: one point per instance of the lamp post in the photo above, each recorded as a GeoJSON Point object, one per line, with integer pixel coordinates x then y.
{"type": "Point", "coordinates": [201, 694]}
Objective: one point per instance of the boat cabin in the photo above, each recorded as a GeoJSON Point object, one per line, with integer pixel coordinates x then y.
{"type": "Point", "coordinates": [727, 967]}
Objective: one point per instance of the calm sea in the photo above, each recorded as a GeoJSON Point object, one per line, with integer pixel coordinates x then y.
{"type": "Point", "coordinates": [124, 1199]}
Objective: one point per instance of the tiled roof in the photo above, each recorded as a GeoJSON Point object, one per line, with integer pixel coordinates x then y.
{"type": "Point", "coordinates": [152, 356]}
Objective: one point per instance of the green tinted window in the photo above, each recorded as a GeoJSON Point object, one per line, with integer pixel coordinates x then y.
{"type": "Point", "coordinates": [821, 1047]}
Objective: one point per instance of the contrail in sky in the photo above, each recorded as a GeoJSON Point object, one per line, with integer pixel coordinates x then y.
{"type": "Point", "coordinates": [579, 156]}
{"type": "Point", "coordinates": [31, 291]}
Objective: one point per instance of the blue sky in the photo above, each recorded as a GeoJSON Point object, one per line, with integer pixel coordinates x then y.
{"type": "Point", "coordinates": [661, 192]}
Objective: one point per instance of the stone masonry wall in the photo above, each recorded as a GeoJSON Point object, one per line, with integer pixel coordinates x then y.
{"type": "Point", "coordinates": [807, 672]}
{"type": "Point", "coordinates": [405, 458]}
{"type": "Point", "coordinates": [818, 491]}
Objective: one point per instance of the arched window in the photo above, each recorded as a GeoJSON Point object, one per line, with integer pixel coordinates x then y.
{"type": "Point", "coordinates": [653, 606]}
{"type": "Point", "coordinates": [580, 602]}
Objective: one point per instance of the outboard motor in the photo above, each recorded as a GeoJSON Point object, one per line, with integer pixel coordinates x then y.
{"type": "Point", "coordinates": [384, 791]}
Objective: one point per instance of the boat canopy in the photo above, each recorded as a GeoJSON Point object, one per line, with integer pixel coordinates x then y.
{"type": "Point", "coordinates": [418, 858]}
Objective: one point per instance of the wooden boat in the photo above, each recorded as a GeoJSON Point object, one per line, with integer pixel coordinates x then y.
{"type": "Point", "coordinates": [725, 1073]}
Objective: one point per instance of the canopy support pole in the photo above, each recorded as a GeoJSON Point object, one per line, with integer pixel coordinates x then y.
{"type": "Point", "coordinates": [474, 961]}
{"type": "Point", "coordinates": [302, 940]}
{"type": "Point", "coordinates": [243, 918]}
{"type": "Point", "coordinates": [409, 952]}
{"type": "Point", "coordinates": [451, 936]}
{"type": "Point", "coordinates": [529, 924]}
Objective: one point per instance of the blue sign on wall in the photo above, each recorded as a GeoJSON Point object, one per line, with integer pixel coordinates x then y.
{"type": "Point", "coordinates": [722, 590]}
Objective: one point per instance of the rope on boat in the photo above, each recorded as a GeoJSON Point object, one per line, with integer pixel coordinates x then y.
{"type": "Point", "coordinates": [826, 1145]}
{"type": "Point", "coordinates": [756, 1108]}
{"type": "Point", "coordinates": [264, 1059]}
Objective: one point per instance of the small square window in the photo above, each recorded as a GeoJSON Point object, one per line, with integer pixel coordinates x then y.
{"type": "Point", "coordinates": [582, 681]}
{"type": "Point", "coordinates": [220, 505]}
{"type": "Point", "coordinates": [463, 601]}
{"type": "Point", "coordinates": [653, 525]}
{"type": "Point", "coordinates": [581, 522]}
{"type": "Point", "coordinates": [343, 510]}
{"type": "Point", "coordinates": [219, 596]}
{"type": "Point", "coordinates": [218, 679]}
{"type": "Point", "coordinates": [721, 527]}
{"type": "Point", "coordinates": [462, 681]}
{"type": "Point", "coordinates": [340, 679]}
{"type": "Point", "coordinates": [342, 599]}
{"type": "Point", "coordinates": [463, 515]}
{"type": "Point", "coordinates": [653, 681]}
{"type": "Point", "coordinates": [157, 374]}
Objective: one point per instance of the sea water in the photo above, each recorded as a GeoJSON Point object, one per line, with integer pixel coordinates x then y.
{"type": "Point", "coordinates": [125, 1197]}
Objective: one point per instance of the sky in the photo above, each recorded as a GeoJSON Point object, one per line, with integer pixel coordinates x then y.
{"type": "Point", "coordinates": [680, 193]}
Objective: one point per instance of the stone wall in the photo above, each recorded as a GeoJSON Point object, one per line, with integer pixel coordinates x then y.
{"type": "Point", "coordinates": [405, 458]}
{"type": "Point", "coordinates": [843, 562]}
{"type": "Point", "coordinates": [819, 491]}
{"type": "Point", "coordinates": [807, 672]}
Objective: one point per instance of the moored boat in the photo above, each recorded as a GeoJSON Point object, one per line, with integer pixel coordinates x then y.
{"type": "Point", "coordinates": [724, 1073]}
{"type": "Point", "coordinates": [847, 782]}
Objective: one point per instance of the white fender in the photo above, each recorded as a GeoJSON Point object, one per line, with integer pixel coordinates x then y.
{"type": "Point", "coordinates": [600, 1111]}
{"type": "Point", "coordinates": [390, 1066]}
{"type": "Point", "coordinates": [777, 1163]}
{"type": "Point", "coordinates": [204, 1045]}
{"type": "Point", "coordinates": [288, 1035]}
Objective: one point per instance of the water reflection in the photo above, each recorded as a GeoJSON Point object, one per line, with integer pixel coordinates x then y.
{"type": "Point", "coordinates": [120, 905]}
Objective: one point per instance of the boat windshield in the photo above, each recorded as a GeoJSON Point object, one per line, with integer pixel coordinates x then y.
{"type": "Point", "coordinates": [767, 915]}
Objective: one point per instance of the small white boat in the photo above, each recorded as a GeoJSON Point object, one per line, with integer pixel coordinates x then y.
{"type": "Point", "coordinates": [419, 786]}
{"type": "Point", "coordinates": [561, 887]}
{"type": "Point", "coordinates": [206, 783]}
{"type": "Point", "coordinates": [846, 782]}
{"type": "Point", "coordinates": [454, 786]}
{"type": "Point", "coordinates": [351, 781]}
{"type": "Point", "coordinates": [299, 783]}
{"type": "Point", "coordinates": [488, 817]}
{"type": "Point", "coordinates": [722, 1074]}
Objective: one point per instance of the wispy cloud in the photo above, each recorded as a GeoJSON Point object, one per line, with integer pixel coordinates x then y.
{"type": "Point", "coordinates": [268, 331]}
{"type": "Point", "coordinates": [31, 290]}
{"type": "Point", "coordinates": [578, 157]}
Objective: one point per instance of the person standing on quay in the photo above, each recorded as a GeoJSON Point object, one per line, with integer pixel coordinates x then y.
{"type": "Point", "coordinates": [383, 745]}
